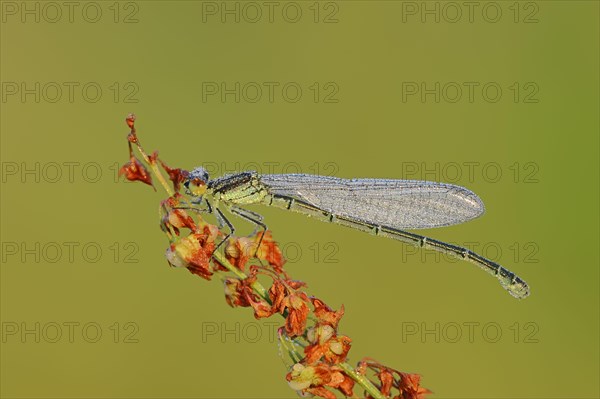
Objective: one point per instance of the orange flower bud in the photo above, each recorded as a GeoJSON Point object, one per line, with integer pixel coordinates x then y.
{"type": "Point", "coordinates": [130, 120]}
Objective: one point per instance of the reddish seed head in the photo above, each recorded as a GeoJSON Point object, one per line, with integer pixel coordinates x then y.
{"type": "Point", "coordinates": [130, 120]}
{"type": "Point", "coordinates": [135, 171]}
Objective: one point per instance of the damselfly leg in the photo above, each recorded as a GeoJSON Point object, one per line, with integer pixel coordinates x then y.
{"type": "Point", "coordinates": [253, 217]}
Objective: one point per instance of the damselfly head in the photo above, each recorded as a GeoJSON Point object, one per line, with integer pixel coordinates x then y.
{"type": "Point", "coordinates": [196, 182]}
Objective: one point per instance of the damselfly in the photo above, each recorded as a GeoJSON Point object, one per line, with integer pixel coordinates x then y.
{"type": "Point", "coordinates": [378, 206]}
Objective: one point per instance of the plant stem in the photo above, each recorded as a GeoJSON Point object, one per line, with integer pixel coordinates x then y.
{"type": "Point", "coordinates": [154, 167]}
{"type": "Point", "coordinates": [362, 381]}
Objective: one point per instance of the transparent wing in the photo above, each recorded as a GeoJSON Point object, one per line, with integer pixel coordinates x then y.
{"type": "Point", "coordinates": [400, 204]}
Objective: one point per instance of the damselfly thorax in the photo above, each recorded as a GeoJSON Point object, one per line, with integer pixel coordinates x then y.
{"type": "Point", "coordinates": [238, 189]}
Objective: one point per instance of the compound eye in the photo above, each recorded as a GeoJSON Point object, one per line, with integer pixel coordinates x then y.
{"type": "Point", "coordinates": [196, 186]}
{"type": "Point", "coordinates": [196, 181]}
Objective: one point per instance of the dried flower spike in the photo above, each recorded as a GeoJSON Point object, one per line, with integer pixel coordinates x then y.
{"type": "Point", "coordinates": [309, 334]}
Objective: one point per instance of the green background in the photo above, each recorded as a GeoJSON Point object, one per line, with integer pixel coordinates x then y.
{"type": "Point", "coordinates": [550, 208]}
